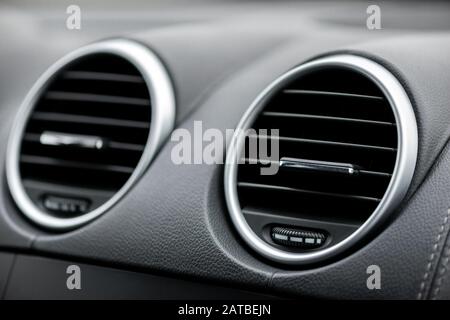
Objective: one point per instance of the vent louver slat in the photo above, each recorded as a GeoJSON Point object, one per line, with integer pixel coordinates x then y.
{"type": "Point", "coordinates": [89, 132]}
{"type": "Point", "coordinates": [95, 98]}
{"type": "Point", "coordinates": [77, 119]}
{"type": "Point", "coordinates": [338, 152]}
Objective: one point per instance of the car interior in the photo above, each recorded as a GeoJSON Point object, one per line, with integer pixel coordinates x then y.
{"type": "Point", "coordinates": [223, 149]}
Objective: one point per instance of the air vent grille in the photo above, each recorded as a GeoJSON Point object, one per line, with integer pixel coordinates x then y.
{"type": "Point", "coordinates": [321, 122]}
{"type": "Point", "coordinates": [101, 96]}
{"type": "Point", "coordinates": [347, 146]}
{"type": "Point", "coordinates": [87, 130]}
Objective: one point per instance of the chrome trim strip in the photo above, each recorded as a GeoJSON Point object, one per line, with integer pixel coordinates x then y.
{"type": "Point", "coordinates": [162, 113]}
{"type": "Point", "coordinates": [398, 186]}
{"type": "Point", "coordinates": [319, 166]}
{"type": "Point", "coordinates": [50, 138]}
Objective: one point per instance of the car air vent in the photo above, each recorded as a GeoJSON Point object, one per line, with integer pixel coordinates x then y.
{"type": "Point", "coordinates": [347, 146]}
{"type": "Point", "coordinates": [92, 124]}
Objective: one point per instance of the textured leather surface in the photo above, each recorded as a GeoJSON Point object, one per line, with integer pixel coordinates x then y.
{"type": "Point", "coordinates": [185, 60]}
{"type": "Point", "coordinates": [440, 288]}
{"type": "Point", "coordinates": [43, 278]}
{"type": "Point", "coordinates": [407, 251]}
{"type": "Point", "coordinates": [6, 262]}
{"type": "Point", "coordinates": [426, 80]}
{"type": "Point", "coordinates": [174, 221]}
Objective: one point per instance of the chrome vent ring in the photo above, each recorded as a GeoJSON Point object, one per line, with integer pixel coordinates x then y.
{"type": "Point", "coordinates": [110, 69]}
{"type": "Point", "coordinates": [257, 229]}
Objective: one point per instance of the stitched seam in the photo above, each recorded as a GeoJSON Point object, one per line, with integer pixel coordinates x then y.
{"type": "Point", "coordinates": [432, 257]}
{"type": "Point", "coordinates": [443, 270]}
{"type": "Point", "coordinates": [8, 279]}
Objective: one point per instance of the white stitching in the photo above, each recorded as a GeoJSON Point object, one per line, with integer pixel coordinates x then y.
{"type": "Point", "coordinates": [441, 273]}
{"type": "Point", "coordinates": [432, 256]}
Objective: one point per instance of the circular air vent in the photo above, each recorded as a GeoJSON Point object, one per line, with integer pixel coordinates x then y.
{"type": "Point", "coordinates": [341, 161]}
{"type": "Point", "coordinates": [86, 131]}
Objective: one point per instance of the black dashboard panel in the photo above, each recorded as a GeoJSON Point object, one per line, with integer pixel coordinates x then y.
{"type": "Point", "coordinates": [174, 221]}
{"type": "Point", "coordinates": [30, 280]}
{"type": "Point", "coordinates": [6, 262]}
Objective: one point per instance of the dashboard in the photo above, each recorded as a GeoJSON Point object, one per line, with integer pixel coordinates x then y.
{"type": "Point", "coordinates": [224, 149]}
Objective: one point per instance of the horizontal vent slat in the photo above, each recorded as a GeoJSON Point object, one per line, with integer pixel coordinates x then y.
{"type": "Point", "coordinates": [326, 142]}
{"type": "Point", "coordinates": [95, 98]}
{"type": "Point", "coordinates": [126, 146]}
{"type": "Point", "coordinates": [370, 185]}
{"type": "Point", "coordinates": [265, 162]}
{"type": "Point", "coordinates": [44, 161]}
{"type": "Point", "coordinates": [83, 119]}
{"type": "Point", "coordinates": [347, 132]}
{"type": "Point", "coordinates": [102, 76]}
{"type": "Point", "coordinates": [323, 224]}
{"type": "Point", "coordinates": [303, 191]}
{"type": "Point", "coordinates": [82, 192]}
{"type": "Point", "coordinates": [325, 118]}
{"type": "Point", "coordinates": [305, 205]}
{"type": "Point", "coordinates": [375, 173]}
{"type": "Point", "coordinates": [331, 93]}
